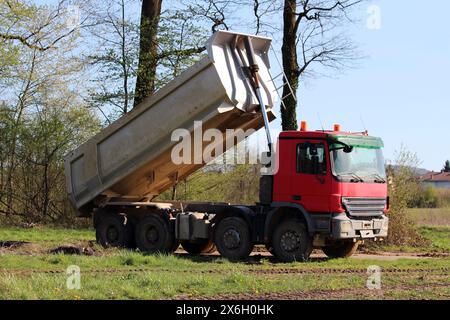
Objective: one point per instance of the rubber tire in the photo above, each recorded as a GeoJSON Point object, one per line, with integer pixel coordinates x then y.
{"type": "Point", "coordinates": [175, 246]}
{"type": "Point", "coordinates": [303, 249]}
{"type": "Point", "coordinates": [342, 249]}
{"type": "Point", "coordinates": [123, 228]}
{"type": "Point", "coordinates": [165, 242]}
{"type": "Point", "coordinates": [198, 247]}
{"type": "Point", "coordinates": [245, 245]}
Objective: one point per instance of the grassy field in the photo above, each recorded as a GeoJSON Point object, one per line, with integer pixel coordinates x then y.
{"type": "Point", "coordinates": [438, 242]}
{"type": "Point", "coordinates": [29, 271]}
{"type": "Point", "coordinates": [431, 217]}
{"type": "Point", "coordinates": [169, 277]}
{"type": "Point", "coordinates": [433, 225]}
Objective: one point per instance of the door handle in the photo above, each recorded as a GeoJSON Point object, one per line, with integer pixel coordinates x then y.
{"type": "Point", "coordinates": [297, 198]}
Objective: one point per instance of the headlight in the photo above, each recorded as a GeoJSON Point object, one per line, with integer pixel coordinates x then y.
{"type": "Point", "coordinates": [346, 226]}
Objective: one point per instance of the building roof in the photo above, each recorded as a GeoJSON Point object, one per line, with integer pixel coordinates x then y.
{"type": "Point", "coordinates": [435, 177]}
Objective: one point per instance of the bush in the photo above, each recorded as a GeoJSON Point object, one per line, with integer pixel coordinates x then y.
{"type": "Point", "coordinates": [427, 197]}
{"type": "Point", "coordinates": [403, 190]}
{"type": "Point", "coordinates": [430, 197]}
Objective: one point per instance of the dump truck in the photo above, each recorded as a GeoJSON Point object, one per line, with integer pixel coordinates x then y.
{"type": "Point", "coordinates": [318, 189]}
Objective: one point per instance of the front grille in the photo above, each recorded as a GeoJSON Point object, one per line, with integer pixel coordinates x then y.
{"type": "Point", "coordinates": [364, 207]}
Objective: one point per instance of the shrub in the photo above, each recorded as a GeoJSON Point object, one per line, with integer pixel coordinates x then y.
{"type": "Point", "coordinates": [427, 197]}
{"type": "Point", "coordinates": [403, 190]}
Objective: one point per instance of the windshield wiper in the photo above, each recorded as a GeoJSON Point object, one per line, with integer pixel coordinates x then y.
{"type": "Point", "coordinates": [378, 178]}
{"type": "Point", "coordinates": [356, 178]}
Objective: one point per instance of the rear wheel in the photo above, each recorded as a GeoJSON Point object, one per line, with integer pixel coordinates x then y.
{"type": "Point", "coordinates": [175, 246]}
{"type": "Point", "coordinates": [114, 230]}
{"type": "Point", "coordinates": [291, 241]}
{"type": "Point", "coordinates": [153, 234]}
{"type": "Point", "coordinates": [341, 249]}
{"type": "Point", "coordinates": [232, 238]}
{"type": "Point", "coordinates": [198, 247]}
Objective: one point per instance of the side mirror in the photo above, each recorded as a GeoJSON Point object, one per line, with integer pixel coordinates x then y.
{"type": "Point", "coordinates": [348, 149]}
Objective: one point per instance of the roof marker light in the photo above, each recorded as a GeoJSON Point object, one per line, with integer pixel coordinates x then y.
{"type": "Point", "coordinates": [303, 126]}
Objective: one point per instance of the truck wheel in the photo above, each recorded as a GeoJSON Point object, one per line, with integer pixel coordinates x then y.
{"type": "Point", "coordinates": [340, 249]}
{"type": "Point", "coordinates": [114, 231]}
{"type": "Point", "coordinates": [291, 241]}
{"type": "Point", "coordinates": [175, 246]}
{"type": "Point", "coordinates": [232, 238]}
{"type": "Point", "coordinates": [197, 247]}
{"type": "Point", "coordinates": [153, 235]}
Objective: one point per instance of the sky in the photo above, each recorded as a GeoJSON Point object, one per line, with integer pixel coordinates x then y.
{"type": "Point", "coordinates": [401, 91]}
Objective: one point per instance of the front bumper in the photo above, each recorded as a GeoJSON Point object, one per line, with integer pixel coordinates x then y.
{"type": "Point", "coordinates": [342, 227]}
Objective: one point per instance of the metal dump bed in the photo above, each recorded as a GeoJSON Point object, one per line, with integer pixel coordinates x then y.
{"type": "Point", "coordinates": [130, 160]}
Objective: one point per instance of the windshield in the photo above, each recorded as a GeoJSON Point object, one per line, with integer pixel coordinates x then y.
{"type": "Point", "coordinates": [361, 164]}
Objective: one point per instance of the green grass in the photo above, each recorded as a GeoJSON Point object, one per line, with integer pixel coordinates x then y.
{"type": "Point", "coordinates": [158, 285]}
{"type": "Point", "coordinates": [166, 277]}
{"type": "Point", "coordinates": [123, 274]}
{"type": "Point", "coordinates": [47, 236]}
{"type": "Point", "coordinates": [438, 238]}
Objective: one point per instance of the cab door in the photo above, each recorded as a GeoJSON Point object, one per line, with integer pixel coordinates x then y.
{"type": "Point", "coordinates": [311, 180]}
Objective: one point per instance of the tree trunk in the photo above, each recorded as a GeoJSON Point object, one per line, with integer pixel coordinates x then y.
{"type": "Point", "coordinates": [148, 45]}
{"type": "Point", "coordinates": [124, 61]}
{"type": "Point", "coordinates": [290, 66]}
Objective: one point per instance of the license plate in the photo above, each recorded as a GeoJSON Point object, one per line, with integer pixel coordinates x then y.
{"type": "Point", "coordinates": [367, 225]}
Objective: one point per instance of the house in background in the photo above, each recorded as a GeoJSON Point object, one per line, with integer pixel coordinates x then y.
{"type": "Point", "coordinates": [439, 180]}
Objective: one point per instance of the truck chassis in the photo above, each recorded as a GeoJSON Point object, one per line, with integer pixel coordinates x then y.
{"type": "Point", "coordinates": [287, 230]}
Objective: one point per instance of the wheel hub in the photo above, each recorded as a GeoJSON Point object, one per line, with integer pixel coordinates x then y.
{"type": "Point", "coordinates": [152, 235]}
{"type": "Point", "coordinates": [112, 234]}
{"type": "Point", "coordinates": [290, 241]}
{"type": "Point", "coordinates": [231, 239]}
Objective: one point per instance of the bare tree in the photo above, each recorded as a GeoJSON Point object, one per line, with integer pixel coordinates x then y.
{"type": "Point", "coordinates": [113, 60]}
{"type": "Point", "coordinates": [148, 49]}
{"type": "Point", "coordinates": [43, 34]}
{"type": "Point", "coordinates": [312, 35]}
{"type": "Point", "coordinates": [265, 12]}
{"type": "Point", "coordinates": [180, 44]}
{"type": "Point", "coordinates": [46, 68]}
{"type": "Point", "coordinates": [309, 32]}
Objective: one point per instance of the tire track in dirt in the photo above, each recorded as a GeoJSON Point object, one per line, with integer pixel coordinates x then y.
{"type": "Point", "coordinates": [275, 271]}
{"type": "Point", "coordinates": [352, 293]}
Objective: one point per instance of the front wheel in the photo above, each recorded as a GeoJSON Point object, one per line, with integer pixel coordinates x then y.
{"type": "Point", "coordinates": [233, 239]}
{"type": "Point", "coordinates": [341, 249]}
{"type": "Point", "coordinates": [291, 241]}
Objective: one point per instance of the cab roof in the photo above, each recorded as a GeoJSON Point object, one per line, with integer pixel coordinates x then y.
{"type": "Point", "coordinates": [356, 139]}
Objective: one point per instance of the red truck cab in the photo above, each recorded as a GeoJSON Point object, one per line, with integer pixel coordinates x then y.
{"type": "Point", "coordinates": [337, 179]}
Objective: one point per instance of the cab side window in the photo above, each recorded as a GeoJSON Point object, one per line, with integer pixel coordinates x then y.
{"type": "Point", "coordinates": [311, 158]}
